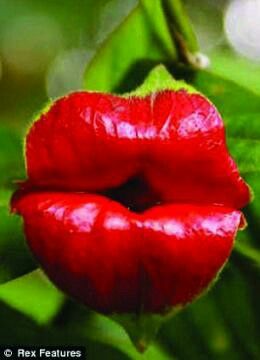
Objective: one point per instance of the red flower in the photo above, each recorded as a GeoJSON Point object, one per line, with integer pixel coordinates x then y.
{"type": "Point", "coordinates": [131, 204]}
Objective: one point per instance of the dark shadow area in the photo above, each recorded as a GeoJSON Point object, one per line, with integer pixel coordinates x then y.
{"type": "Point", "coordinates": [139, 70]}
{"type": "Point", "coordinates": [135, 194]}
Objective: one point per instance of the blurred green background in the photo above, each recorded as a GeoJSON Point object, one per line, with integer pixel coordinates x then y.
{"type": "Point", "coordinates": [46, 47]}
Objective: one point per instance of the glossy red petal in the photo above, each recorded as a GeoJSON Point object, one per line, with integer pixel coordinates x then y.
{"type": "Point", "coordinates": [175, 140]}
{"type": "Point", "coordinates": [114, 260]}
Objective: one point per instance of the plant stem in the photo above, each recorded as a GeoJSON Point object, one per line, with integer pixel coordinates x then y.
{"type": "Point", "coordinates": [183, 35]}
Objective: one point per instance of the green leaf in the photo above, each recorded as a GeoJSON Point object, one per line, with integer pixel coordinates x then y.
{"type": "Point", "coordinates": [237, 311]}
{"type": "Point", "coordinates": [32, 295]}
{"type": "Point", "coordinates": [137, 38]}
{"type": "Point", "coordinates": [230, 98]}
{"type": "Point", "coordinates": [15, 257]}
{"type": "Point", "coordinates": [240, 109]}
{"type": "Point", "coordinates": [247, 250]}
{"type": "Point", "coordinates": [17, 328]}
{"type": "Point", "coordinates": [11, 159]}
{"type": "Point", "coordinates": [104, 17]}
{"type": "Point", "coordinates": [221, 325]}
{"type": "Point", "coordinates": [214, 333]}
{"type": "Point", "coordinates": [243, 71]}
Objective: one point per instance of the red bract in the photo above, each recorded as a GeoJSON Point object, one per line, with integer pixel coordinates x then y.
{"type": "Point", "coordinates": [175, 192]}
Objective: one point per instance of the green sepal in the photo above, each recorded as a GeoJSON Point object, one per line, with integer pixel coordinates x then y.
{"type": "Point", "coordinates": [142, 328]}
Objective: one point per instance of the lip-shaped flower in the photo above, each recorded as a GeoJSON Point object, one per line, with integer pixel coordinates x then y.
{"type": "Point", "coordinates": [131, 203]}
